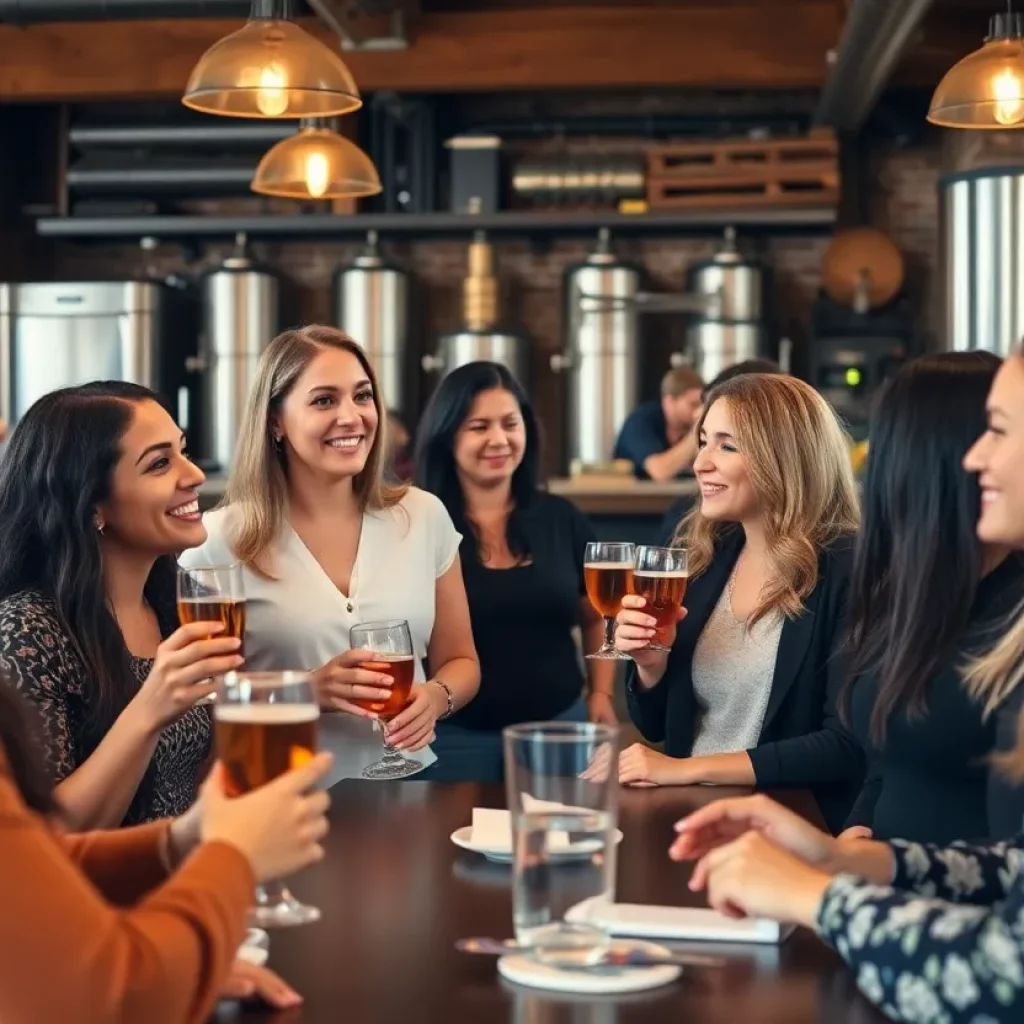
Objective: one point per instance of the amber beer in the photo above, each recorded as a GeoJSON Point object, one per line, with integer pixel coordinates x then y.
{"type": "Point", "coordinates": [258, 742]}
{"type": "Point", "coordinates": [607, 584]}
{"type": "Point", "coordinates": [205, 609]}
{"type": "Point", "coordinates": [401, 668]}
{"type": "Point", "coordinates": [663, 592]}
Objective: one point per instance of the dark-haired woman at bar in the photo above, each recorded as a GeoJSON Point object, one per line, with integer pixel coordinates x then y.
{"type": "Point", "coordinates": [925, 595]}
{"type": "Point", "coordinates": [97, 496]}
{"type": "Point", "coordinates": [522, 560]}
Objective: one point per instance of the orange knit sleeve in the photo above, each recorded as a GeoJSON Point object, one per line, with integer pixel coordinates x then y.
{"type": "Point", "coordinates": [124, 864]}
{"type": "Point", "coordinates": [162, 960]}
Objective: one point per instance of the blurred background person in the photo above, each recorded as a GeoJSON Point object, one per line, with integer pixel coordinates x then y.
{"type": "Point", "coordinates": [658, 436]}
{"type": "Point", "coordinates": [522, 559]}
{"type": "Point", "coordinates": [398, 466]}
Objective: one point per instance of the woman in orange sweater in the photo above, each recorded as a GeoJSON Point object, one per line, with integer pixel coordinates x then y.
{"type": "Point", "coordinates": [142, 924]}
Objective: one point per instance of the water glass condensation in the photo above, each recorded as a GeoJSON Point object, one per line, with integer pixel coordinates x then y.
{"type": "Point", "coordinates": [563, 838]}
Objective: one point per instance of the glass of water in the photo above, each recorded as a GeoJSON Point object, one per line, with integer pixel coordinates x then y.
{"type": "Point", "coordinates": [564, 831]}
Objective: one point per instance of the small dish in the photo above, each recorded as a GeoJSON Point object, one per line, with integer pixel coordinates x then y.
{"type": "Point", "coordinates": [463, 838]}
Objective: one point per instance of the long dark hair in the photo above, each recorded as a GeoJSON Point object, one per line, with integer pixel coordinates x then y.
{"type": "Point", "coordinates": [918, 561]}
{"type": "Point", "coordinates": [435, 450]}
{"type": "Point", "coordinates": [57, 468]}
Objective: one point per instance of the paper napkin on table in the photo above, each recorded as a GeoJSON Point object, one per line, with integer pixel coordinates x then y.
{"type": "Point", "coordinates": [492, 830]}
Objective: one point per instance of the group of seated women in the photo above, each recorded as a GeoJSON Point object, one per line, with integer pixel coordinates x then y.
{"type": "Point", "coordinates": [866, 648]}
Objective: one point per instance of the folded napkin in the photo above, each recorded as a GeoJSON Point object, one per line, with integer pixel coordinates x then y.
{"type": "Point", "coordinates": [492, 830]}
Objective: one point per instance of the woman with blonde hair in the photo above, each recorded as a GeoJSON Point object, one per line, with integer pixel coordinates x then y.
{"type": "Point", "coordinates": [933, 933]}
{"type": "Point", "coordinates": [746, 696]}
{"type": "Point", "coordinates": [326, 545]}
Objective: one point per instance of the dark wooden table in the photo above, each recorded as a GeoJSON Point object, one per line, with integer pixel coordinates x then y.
{"type": "Point", "coordinates": [396, 894]}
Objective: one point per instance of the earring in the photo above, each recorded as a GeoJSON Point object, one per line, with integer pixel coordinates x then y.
{"type": "Point", "coordinates": [100, 525]}
{"type": "Point", "coordinates": [278, 440]}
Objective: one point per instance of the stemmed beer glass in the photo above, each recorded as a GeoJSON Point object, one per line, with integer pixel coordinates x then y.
{"type": "Point", "coordinates": [660, 577]}
{"type": "Point", "coordinates": [607, 570]}
{"type": "Point", "coordinates": [213, 593]}
{"type": "Point", "coordinates": [265, 724]}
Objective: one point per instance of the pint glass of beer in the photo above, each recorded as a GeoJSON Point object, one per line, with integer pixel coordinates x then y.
{"type": "Point", "coordinates": [391, 643]}
{"type": "Point", "coordinates": [607, 570]}
{"type": "Point", "coordinates": [265, 725]}
{"type": "Point", "coordinates": [213, 593]}
{"type": "Point", "coordinates": [659, 577]}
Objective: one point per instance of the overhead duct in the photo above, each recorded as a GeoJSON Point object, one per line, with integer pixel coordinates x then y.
{"type": "Point", "coordinates": [27, 12]}
{"type": "Point", "coordinates": [874, 38]}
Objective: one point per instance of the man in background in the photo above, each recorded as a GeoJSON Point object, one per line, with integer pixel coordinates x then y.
{"type": "Point", "coordinates": [658, 436]}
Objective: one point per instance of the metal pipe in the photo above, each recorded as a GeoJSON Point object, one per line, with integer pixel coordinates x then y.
{"type": "Point", "coordinates": [28, 12]}
{"type": "Point", "coordinates": [255, 132]}
{"type": "Point", "coordinates": [875, 36]}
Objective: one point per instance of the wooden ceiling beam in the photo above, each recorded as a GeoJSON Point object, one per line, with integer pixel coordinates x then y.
{"type": "Point", "coordinates": [709, 44]}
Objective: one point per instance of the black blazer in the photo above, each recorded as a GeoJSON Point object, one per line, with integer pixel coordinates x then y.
{"type": "Point", "coordinates": [802, 742]}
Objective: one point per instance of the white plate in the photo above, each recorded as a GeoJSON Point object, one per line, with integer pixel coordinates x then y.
{"type": "Point", "coordinates": [463, 837]}
{"type": "Point", "coordinates": [524, 970]}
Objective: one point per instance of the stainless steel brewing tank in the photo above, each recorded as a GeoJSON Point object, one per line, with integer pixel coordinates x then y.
{"type": "Point", "coordinates": [496, 346]}
{"type": "Point", "coordinates": [371, 302]}
{"type": "Point", "coordinates": [55, 335]}
{"type": "Point", "coordinates": [735, 330]}
{"type": "Point", "coordinates": [982, 248]}
{"type": "Point", "coordinates": [240, 310]}
{"type": "Point", "coordinates": [601, 353]}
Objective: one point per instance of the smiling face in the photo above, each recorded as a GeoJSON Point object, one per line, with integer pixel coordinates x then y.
{"type": "Point", "coordinates": [153, 507]}
{"type": "Point", "coordinates": [328, 420]}
{"type": "Point", "coordinates": [491, 441]}
{"type": "Point", "coordinates": [726, 490]}
{"type": "Point", "coordinates": [998, 459]}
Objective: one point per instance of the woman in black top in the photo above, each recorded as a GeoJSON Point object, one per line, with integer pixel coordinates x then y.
{"type": "Point", "coordinates": [924, 595]}
{"type": "Point", "coordinates": [746, 696]}
{"type": "Point", "coordinates": [97, 497]}
{"type": "Point", "coordinates": [522, 561]}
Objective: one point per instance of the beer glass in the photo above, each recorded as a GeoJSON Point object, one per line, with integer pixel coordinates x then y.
{"type": "Point", "coordinates": [265, 725]}
{"type": "Point", "coordinates": [660, 576]}
{"type": "Point", "coordinates": [607, 569]}
{"type": "Point", "coordinates": [213, 593]}
{"type": "Point", "coordinates": [391, 643]}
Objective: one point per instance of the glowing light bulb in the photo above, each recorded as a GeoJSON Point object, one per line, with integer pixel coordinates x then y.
{"type": "Point", "coordinates": [1008, 91]}
{"type": "Point", "coordinates": [317, 174]}
{"type": "Point", "coordinates": [272, 93]}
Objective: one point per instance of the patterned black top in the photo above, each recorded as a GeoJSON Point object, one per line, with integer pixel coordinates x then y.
{"type": "Point", "coordinates": [40, 658]}
{"type": "Point", "coordinates": [944, 943]}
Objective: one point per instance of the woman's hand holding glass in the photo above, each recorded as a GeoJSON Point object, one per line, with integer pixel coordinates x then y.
{"type": "Point", "coordinates": [184, 672]}
{"type": "Point", "coordinates": [342, 681]}
{"type": "Point", "coordinates": [634, 630]}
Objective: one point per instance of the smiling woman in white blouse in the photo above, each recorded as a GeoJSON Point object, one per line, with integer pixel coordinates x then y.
{"type": "Point", "coordinates": [325, 545]}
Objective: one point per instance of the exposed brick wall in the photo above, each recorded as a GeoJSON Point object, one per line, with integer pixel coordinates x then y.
{"type": "Point", "coordinates": [902, 201]}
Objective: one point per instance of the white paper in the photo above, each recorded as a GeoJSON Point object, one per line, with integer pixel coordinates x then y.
{"type": "Point", "coordinates": [492, 830]}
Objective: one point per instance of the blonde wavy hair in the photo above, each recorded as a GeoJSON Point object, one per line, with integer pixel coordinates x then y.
{"type": "Point", "coordinates": [993, 676]}
{"type": "Point", "coordinates": [258, 485]}
{"type": "Point", "coordinates": [798, 458]}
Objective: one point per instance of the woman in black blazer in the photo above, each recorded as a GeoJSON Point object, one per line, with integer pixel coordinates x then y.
{"type": "Point", "coordinates": [747, 695]}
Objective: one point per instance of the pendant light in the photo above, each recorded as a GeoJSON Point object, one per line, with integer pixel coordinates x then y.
{"type": "Point", "coordinates": [271, 68]}
{"type": "Point", "coordinates": [316, 163]}
{"type": "Point", "coordinates": [986, 88]}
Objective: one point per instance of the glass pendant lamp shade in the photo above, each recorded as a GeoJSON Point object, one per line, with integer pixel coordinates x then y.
{"type": "Point", "coordinates": [986, 88]}
{"type": "Point", "coordinates": [316, 163]}
{"type": "Point", "coordinates": [271, 68]}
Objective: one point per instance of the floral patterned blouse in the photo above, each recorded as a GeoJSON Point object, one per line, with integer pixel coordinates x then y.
{"type": "Point", "coordinates": [944, 943]}
{"type": "Point", "coordinates": [39, 656]}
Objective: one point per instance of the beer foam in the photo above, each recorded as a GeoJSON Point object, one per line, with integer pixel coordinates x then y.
{"type": "Point", "coordinates": [266, 714]}
{"type": "Point", "coordinates": [608, 565]}
{"type": "Point", "coordinates": [660, 574]}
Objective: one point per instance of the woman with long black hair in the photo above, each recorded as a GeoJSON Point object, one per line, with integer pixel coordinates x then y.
{"type": "Point", "coordinates": [97, 496]}
{"type": "Point", "coordinates": [522, 562]}
{"type": "Point", "coordinates": [925, 596]}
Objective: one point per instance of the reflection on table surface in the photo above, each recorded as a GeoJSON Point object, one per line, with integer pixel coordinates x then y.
{"type": "Point", "coordinates": [396, 893]}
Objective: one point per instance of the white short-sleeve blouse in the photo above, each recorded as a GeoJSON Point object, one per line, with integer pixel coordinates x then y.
{"type": "Point", "coordinates": [300, 620]}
